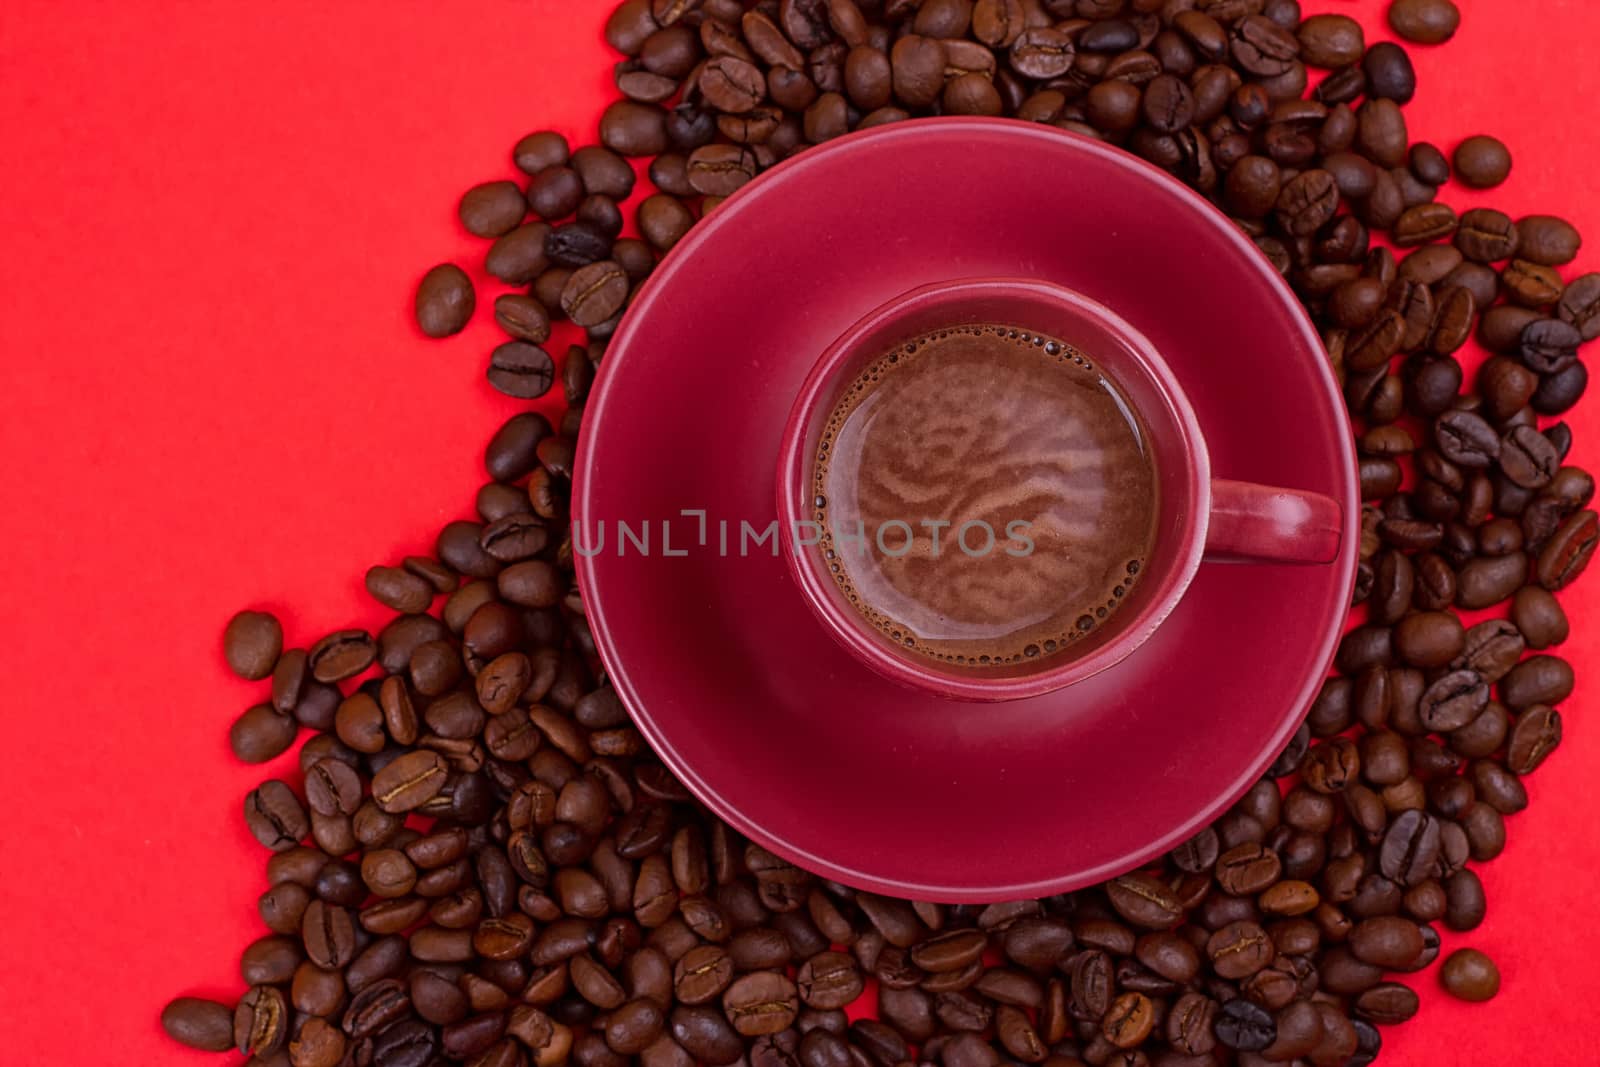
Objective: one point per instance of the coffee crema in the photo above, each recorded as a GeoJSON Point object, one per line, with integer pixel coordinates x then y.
{"type": "Point", "coordinates": [985, 495]}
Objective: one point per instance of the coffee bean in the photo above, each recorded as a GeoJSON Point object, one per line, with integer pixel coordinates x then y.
{"type": "Point", "coordinates": [1531, 284]}
{"type": "Point", "coordinates": [1453, 701]}
{"type": "Point", "coordinates": [1466, 439]}
{"type": "Point", "coordinates": [631, 128]}
{"type": "Point", "coordinates": [261, 1022]}
{"type": "Point", "coordinates": [539, 151]}
{"type": "Point", "coordinates": [1389, 73]}
{"type": "Point", "coordinates": [1536, 734]}
{"type": "Point", "coordinates": [275, 817]}
{"type": "Point", "coordinates": [1580, 305]}
{"type": "Point", "coordinates": [763, 1002]}
{"type": "Point", "coordinates": [592, 295]}
{"type": "Point", "coordinates": [1547, 240]}
{"type": "Point", "coordinates": [1039, 53]}
{"type": "Point", "coordinates": [519, 256]}
{"type": "Point", "coordinates": [731, 84]}
{"type": "Point", "coordinates": [261, 734]}
{"type": "Point", "coordinates": [521, 370]}
{"type": "Point", "coordinates": [1144, 901]}
{"type": "Point", "coordinates": [1429, 639]}
{"type": "Point", "coordinates": [1468, 974]}
{"type": "Point", "coordinates": [1424, 21]}
{"type": "Point", "coordinates": [1239, 950]}
{"type": "Point", "coordinates": [578, 244]}
{"type": "Point", "coordinates": [409, 782]}
{"type": "Point", "coordinates": [1386, 941]}
{"type": "Point", "coordinates": [1423, 223]}
{"type": "Point", "coordinates": [1487, 236]}
{"type": "Point", "coordinates": [1244, 1027]}
{"type": "Point", "coordinates": [1308, 201]}
{"type": "Point", "coordinates": [1482, 162]}
{"type": "Point", "coordinates": [342, 655]}
{"type": "Point", "coordinates": [1558, 392]}
{"type": "Point", "coordinates": [702, 974]}
{"type": "Point", "coordinates": [1542, 679]}
{"type": "Point", "coordinates": [445, 300]}
{"type": "Point", "coordinates": [1129, 1020]}
{"type": "Point", "coordinates": [1410, 848]}
{"type": "Point", "coordinates": [252, 643]}
{"type": "Point", "coordinates": [663, 221]}
{"type": "Point", "coordinates": [1538, 616]}
{"type": "Point", "coordinates": [1331, 40]}
{"type": "Point", "coordinates": [492, 209]}
{"type": "Point", "coordinates": [1488, 581]}
{"type": "Point", "coordinates": [1568, 551]}
{"type": "Point", "coordinates": [198, 1023]}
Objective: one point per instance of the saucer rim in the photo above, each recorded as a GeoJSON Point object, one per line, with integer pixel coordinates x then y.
{"type": "Point", "coordinates": [656, 289]}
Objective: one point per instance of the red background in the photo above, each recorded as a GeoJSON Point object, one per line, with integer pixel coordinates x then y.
{"type": "Point", "coordinates": [213, 396]}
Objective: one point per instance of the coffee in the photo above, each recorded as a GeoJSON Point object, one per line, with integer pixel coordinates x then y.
{"type": "Point", "coordinates": [985, 495]}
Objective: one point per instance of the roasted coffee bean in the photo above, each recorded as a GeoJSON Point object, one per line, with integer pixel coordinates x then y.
{"type": "Point", "coordinates": [445, 300]}
{"type": "Point", "coordinates": [1239, 950]}
{"type": "Point", "coordinates": [1410, 848]}
{"type": "Point", "coordinates": [1468, 974]}
{"type": "Point", "coordinates": [198, 1023]}
{"type": "Point", "coordinates": [492, 209]}
{"type": "Point", "coordinates": [1482, 162]}
{"type": "Point", "coordinates": [1542, 679]}
{"type": "Point", "coordinates": [522, 370]}
{"type": "Point", "coordinates": [1558, 392]}
{"type": "Point", "coordinates": [261, 1022]}
{"type": "Point", "coordinates": [594, 293]}
{"type": "Point", "coordinates": [763, 1002]}
{"type": "Point", "coordinates": [1484, 582]}
{"type": "Point", "coordinates": [1453, 700]}
{"type": "Point", "coordinates": [1144, 901]}
{"type": "Point", "coordinates": [275, 817]}
{"type": "Point", "coordinates": [1423, 223]}
{"type": "Point", "coordinates": [1386, 941]}
{"type": "Point", "coordinates": [1307, 202]}
{"type": "Point", "coordinates": [1466, 439]}
{"type": "Point", "coordinates": [261, 734]}
{"type": "Point", "coordinates": [545, 149]}
{"type": "Point", "coordinates": [1531, 284]}
{"type": "Point", "coordinates": [1487, 236]}
{"type": "Point", "coordinates": [1389, 73]}
{"type": "Point", "coordinates": [1491, 649]}
{"type": "Point", "coordinates": [578, 244]}
{"type": "Point", "coordinates": [1424, 21]}
{"type": "Point", "coordinates": [1331, 40]}
{"type": "Point", "coordinates": [410, 781]}
{"type": "Point", "coordinates": [1244, 1027]}
{"type": "Point", "coordinates": [1429, 639]}
{"type": "Point", "coordinates": [252, 643]}
{"type": "Point", "coordinates": [1580, 305]}
{"type": "Point", "coordinates": [1547, 240]}
{"type": "Point", "coordinates": [1536, 734]}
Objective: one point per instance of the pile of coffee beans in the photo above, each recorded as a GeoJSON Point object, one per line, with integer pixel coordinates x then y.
{"type": "Point", "coordinates": [486, 864]}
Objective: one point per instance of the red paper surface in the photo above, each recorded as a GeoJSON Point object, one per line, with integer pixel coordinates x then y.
{"type": "Point", "coordinates": [213, 396]}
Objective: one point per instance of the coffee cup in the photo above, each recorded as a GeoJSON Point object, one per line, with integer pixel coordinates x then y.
{"type": "Point", "coordinates": [1115, 513]}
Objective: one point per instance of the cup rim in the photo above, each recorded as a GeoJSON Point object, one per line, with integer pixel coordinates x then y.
{"type": "Point", "coordinates": [794, 466]}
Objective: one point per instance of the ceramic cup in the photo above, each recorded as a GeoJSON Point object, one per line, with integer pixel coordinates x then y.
{"type": "Point", "coordinates": [1200, 517]}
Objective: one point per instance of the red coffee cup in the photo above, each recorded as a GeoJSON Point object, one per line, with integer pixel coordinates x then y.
{"type": "Point", "coordinates": [1200, 517]}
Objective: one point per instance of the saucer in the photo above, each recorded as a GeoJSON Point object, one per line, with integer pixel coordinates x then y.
{"type": "Point", "coordinates": [714, 651]}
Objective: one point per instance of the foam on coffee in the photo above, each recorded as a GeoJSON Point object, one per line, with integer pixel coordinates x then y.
{"type": "Point", "coordinates": [995, 425]}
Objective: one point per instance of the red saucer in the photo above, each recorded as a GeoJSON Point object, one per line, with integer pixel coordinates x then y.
{"type": "Point", "coordinates": [725, 668]}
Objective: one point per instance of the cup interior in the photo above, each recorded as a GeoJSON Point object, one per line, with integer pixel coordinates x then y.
{"type": "Point", "coordinates": [1168, 428]}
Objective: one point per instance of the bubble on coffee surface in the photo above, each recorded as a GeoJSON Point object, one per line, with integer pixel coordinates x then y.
{"type": "Point", "coordinates": [985, 423]}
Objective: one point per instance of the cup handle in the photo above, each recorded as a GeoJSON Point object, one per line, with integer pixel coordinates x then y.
{"type": "Point", "coordinates": [1259, 522]}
